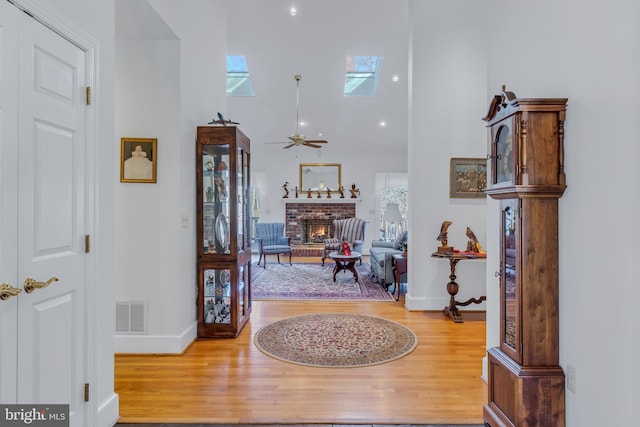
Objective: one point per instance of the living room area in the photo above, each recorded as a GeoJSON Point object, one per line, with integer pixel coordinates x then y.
{"type": "Point", "coordinates": [374, 156]}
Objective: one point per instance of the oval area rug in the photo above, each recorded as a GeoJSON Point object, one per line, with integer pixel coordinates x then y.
{"type": "Point", "coordinates": [336, 340]}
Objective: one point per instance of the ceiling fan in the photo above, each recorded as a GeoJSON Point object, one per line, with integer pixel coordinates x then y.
{"type": "Point", "coordinates": [296, 138]}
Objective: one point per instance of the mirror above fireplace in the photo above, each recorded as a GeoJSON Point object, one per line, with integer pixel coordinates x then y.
{"type": "Point", "coordinates": [320, 177]}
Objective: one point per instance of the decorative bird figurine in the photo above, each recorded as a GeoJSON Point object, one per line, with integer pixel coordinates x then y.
{"type": "Point", "coordinates": [222, 121]}
{"type": "Point", "coordinates": [442, 237]}
{"type": "Point", "coordinates": [473, 245]}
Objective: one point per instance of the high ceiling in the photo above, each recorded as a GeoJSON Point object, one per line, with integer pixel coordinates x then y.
{"type": "Point", "coordinates": [315, 43]}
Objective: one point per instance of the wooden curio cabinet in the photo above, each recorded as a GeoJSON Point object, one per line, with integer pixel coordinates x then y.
{"type": "Point", "coordinates": [223, 240]}
{"type": "Point", "coordinates": [526, 383]}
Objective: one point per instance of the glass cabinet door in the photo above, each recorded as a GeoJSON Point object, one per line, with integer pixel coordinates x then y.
{"type": "Point", "coordinates": [242, 202]}
{"type": "Point", "coordinates": [243, 292]}
{"type": "Point", "coordinates": [215, 200]}
{"type": "Point", "coordinates": [510, 298]}
{"type": "Point", "coordinates": [503, 155]}
{"type": "Point", "coordinates": [217, 295]}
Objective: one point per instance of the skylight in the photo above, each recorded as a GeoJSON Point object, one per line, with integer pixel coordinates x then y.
{"type": "Point", "coordinates": [238, 80]}
{"type": "Point", "coordinates": [362, 75]}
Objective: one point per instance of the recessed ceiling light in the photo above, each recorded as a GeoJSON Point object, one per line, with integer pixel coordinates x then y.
{"type": "Point", "coordinates": [395, 78]}
{"type": "Point", "coordinates": [383, 124]}
{"type": "Point", "coordinates": [293, 11]}
{"type": "Point", "coordinates": [320, 134]}
{"type": "Point", "coordinates": [302, 123]}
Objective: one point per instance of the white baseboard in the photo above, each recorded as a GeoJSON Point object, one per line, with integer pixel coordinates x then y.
{"type": "Point", "coordinates": [108, 411]}
{"type": "Point", "coordinates": [159, 344]}
{"type": "Point", "coordinates": [485, 369]}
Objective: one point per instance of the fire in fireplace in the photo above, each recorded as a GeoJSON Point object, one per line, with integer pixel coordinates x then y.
{"type": "Point", "coordinates": [316, 230]}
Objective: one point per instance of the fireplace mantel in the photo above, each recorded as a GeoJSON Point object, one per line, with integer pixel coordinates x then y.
{"type": "Point", "coordinates": [321, 200]}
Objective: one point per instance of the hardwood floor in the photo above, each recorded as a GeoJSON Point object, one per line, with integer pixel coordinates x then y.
{"type": "Point", "coordinates": [231, 382]}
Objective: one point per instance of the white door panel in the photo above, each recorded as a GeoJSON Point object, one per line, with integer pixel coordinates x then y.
{"type": "Point", "coordinates": [54, 340]}
{"type": "Point", "coordinates": [53, 195]}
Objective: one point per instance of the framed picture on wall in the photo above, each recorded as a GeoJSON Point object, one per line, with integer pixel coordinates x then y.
{"type": "Point", "coordinates": [138, 160]}
{"type": "Point", "coordinates": [468, 178]}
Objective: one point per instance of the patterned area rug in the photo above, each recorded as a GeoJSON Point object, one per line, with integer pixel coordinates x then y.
{"type": "Point", "coordinates": [336, 340]}
{"type": "Point", "coordinates": [314, 281]}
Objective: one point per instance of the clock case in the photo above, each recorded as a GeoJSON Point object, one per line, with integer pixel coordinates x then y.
{"type": "Point", "coordinates": [526, 384]}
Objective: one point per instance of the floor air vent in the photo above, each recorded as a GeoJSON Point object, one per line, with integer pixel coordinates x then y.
{"type": "Point", "coordinates": [131, 317]}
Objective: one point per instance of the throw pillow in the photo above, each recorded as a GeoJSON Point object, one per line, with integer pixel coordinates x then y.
{"type": "Point", "coordinates": [400, 240]}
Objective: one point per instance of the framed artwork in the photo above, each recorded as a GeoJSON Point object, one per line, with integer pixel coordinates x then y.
{"type": "Point", "coordinates": [468, 178]}
{"type": "Point", "coordinates": [138, 160]}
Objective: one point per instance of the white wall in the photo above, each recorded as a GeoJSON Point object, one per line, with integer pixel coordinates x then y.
{"type": "Point", "coordinates": [448, 101]}
{"type": "Point", "coordinates": [166, 88]}
{"type": "Point", "coordinates": [565, 48]}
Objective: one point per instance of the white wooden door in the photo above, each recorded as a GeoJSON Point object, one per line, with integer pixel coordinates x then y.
{"type": "Point", "coordinates": [48, 192]}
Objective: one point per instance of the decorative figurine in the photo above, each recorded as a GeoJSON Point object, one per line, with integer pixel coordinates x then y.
{"type": "Point", "coordinates": [473, 245]}
{"type": "Point", "coordinates": [222, 121]}
{"type": "Point", "coordinates": [286, 190]}
{"type": "Point", "coordinates": [308, 193]}
{"type": "Point", "coordinates": [354, 191]}
{"type": "Point", "coordinates": [341, 190]}
{"type": "Point", "coordinates": [221, 191]}
{"type": "Point", "coordinates": [296, 191]}
{"type": "Point", "coordinates": [328, 193]}
{"type": "Point", "coordinates": [319, 195]}
{"type": "Point", "coordinates": [345, 249]}
{"type": "Point", "coordinates": [442, 237]}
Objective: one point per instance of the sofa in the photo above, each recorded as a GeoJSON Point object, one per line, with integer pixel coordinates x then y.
{"type": "Point", "coordinates": [380, 257]}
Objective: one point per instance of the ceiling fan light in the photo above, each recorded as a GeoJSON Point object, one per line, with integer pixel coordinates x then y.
{"type": "Point", "coordinates": [293, 11]}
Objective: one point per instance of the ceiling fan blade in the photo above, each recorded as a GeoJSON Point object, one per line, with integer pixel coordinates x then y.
{"type": "Point", "coordinates": [317, 141]}
{"type": "Point", "coordinates": [289, 146]}
{"type": "Point", "coordinates": [308, 144]}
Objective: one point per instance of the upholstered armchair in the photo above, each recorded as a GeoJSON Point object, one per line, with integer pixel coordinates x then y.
{"type": "Point", "coordinates": [271, 240]}
{"type": "Point", "coordinates": [353, 229]}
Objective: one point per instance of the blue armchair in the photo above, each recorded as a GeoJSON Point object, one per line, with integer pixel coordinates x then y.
{"type": "Point", "coordinates": [271, 240]}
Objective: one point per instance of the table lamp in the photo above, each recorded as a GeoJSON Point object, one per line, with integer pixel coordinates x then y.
{"type": "Point", "coordinates": [392, 219]}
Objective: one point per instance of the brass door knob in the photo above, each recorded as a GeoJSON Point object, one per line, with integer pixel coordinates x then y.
{"type": "Point", "coordinates": [30, 284]}
{"type": "Point", "coordinates": [7, 291]}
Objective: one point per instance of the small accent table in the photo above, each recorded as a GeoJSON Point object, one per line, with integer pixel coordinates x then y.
{"type": "Point", "coordinates": [452, 287]}
{"type": "Point", "coordinates": [345, 262]}
{"type": "Point", "coordinates": [399, 266]}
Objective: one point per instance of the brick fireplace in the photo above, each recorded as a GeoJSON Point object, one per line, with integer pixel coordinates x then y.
{"type": "Point", "coordinates": [307, 223]}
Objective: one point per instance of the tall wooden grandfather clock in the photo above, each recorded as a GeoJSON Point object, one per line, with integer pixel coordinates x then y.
{"type": "Point", "coordinates": [526, 384]}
